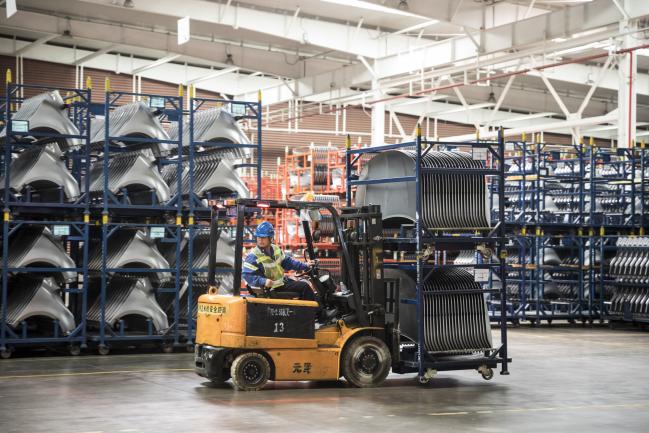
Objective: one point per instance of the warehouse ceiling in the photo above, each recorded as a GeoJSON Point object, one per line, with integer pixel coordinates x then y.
{"type": "Point", "coordinates": [335, 51]}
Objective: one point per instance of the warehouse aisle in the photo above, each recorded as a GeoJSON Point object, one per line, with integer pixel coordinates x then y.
{"type": "Point", "coordinates": [563, 379]}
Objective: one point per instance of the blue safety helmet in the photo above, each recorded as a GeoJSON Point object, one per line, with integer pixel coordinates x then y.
{"type": "Point", "coordinates": [265, 230]}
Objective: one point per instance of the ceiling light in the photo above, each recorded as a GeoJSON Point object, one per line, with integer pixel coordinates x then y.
{"type": "Point", "coordinates": [129, 4]}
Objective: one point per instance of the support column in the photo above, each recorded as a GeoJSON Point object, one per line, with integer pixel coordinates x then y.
{"type": "Point", "coordinates": [378, 116]}
{"type": "Point", "coordinates": [626, 95]}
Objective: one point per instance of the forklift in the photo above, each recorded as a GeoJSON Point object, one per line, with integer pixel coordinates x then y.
{"type": "Point", "coordinates": [350, 331]}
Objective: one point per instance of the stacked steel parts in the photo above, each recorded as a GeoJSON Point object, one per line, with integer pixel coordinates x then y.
{"type": "Point", "coordinates": [136, 124]}
{"type": "Point", "coordinates": [129, 294]}
{"type": "Point", "coordinates": [217, 126]}
{"type": "Point", "coordinates": [32, 296]}
{"type": "Point", "coordinates": [630, 268]}
{"type": "Point", "coordinates": [133, 177]}
{"type": "Point", "coordinates": [453, 323]}
{"type": "Point", "coordinates": [452, 200]}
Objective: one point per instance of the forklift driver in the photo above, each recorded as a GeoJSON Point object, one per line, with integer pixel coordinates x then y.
{"type": "Point", "coordinates": [266, 264]}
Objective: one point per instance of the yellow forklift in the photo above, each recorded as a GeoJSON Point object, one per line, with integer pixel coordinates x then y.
{"type": "Point", "coordinates": [350, 331]}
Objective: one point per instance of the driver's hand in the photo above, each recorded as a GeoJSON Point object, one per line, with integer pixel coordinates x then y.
{"type": "Point", "coordinates": [311, 263]}
{"type": "Point", "coordinates": [269, 283]}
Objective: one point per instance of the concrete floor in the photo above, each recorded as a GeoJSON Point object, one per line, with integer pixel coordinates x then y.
{"type": "Point", "coordinates": [563, 380]}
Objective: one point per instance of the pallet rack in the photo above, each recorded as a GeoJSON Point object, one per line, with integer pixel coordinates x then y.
{"type": "Point", "coordinates": [589, 176]}
{"type": "Point", "coordinates": [68, 218]}
{"type": "Point", "coordinates": [494, 168]}
{"type": "Point", "coordinates": [198, 212]}
{"type": "Point", "coordinates": [158, 220]}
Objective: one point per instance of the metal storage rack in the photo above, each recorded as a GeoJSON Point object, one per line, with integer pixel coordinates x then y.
{"type": "Point", "coordinates": [68, 217]}
{"type": "Point", "coordinates": [198, 212]}
{"type": "Point", "coordinates": [590, 177]}
{"type": "Point", "coordinates": [161, 221]}
{"type": "Point", "coordinates": [421, 236]}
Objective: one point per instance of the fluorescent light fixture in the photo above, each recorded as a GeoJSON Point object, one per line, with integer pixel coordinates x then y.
{"type": "Point", "coordinates": [360, 4]}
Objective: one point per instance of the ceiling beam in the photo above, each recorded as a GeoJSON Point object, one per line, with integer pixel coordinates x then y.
{"type": "Point", "coordinates": [509, 42]}
{"type": "Point", "coordinates": [36, 43]}
{"type": "Point", "coordinates": [155, 64]}
{"type": "Point", "coordinates": [295, 28]}
{"type": "Point", "coordinates": [101, 52]}
{"type": "Point", "coordinates": [212, 75]}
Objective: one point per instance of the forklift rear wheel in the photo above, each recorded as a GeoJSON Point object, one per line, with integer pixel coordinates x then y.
{"type": "Point", "coordinates": [250, 371]}
{"type": "Point", "coordinates": [366, 362]}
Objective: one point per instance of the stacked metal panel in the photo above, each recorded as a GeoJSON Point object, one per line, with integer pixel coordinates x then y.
{"type": "Point", "coordinates": [630, 269]}
{"type": "Point", "coordinates": [128, 294]}
{"type": "Point", "coordinates": [453, 323]}
{"type": "Point", "coordinates": [449, 200]}
{"type": "Point", "coordinates": [34, 295]}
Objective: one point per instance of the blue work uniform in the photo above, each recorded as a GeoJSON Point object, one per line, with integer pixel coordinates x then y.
{"type": "Point", "coordinates": [260, 266]}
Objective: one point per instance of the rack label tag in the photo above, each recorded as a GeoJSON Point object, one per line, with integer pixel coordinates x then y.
{"type": "Point", "coordinates": [479, 154]}
{"type": "Point", "coordinates": [481, 275]}
{"type": "Point", "coordinates": [61, 230]}
{"type": "Point", "coordinates": [157, 232]}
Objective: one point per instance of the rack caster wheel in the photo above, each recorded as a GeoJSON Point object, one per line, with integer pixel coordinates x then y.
{"type": "Point", "coordinates": [424, 380]}
{"type": "Point", "coordinates": [486, 373]}
{"type": "Point", "coordinates": [168, 348]}
{"type": "Point", "coordinates": [74, 350]}
{"type": "Point", "coordinates": [6, 353]}
{"type": "Point", "coordinates": [103, 350]}
{"type": "Point", "coordinates": [190, 348]}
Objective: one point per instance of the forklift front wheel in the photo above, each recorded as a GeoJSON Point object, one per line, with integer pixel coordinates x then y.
{"type": "Point", "coordinates": [366, 362]}
{"type": "Point", "coordinates": [250, 371]}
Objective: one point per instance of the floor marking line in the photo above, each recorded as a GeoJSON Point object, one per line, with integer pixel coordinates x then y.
{"type": "Point", "coordinates": [448, 413]}
{"type": "Point", "coordinates": [92, 373]}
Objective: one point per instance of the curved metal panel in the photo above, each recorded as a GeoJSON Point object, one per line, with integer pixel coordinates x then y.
{"type": "Point", "coordinates": [31, 297]}
{"type": "Point", "coordinates": [126, 297]}
{"type": "Point", "coordinates": [41, 167]}
{"type": "Point", "coordinates": [46, 113]}
{"type": "Point", "coordinates": [215, 125]}
{"type": "Point", "coordinates": [448, 200]}
{"type": "Point", "coordinates": [453, 323]}
{"type": "Point", "coordinates": [36, 246]}
{"type": "Point", "coordinates": [135, 173]}
{"type": "Point", "coordinates": [135, 120]}
{"type": "Point", "coordinates": [212, 174]}
{"type": "Point", "coordinates": [130, 248]}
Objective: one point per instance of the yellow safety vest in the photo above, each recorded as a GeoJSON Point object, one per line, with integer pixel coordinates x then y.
{"type": "Point", "coordinates": [273, 269]}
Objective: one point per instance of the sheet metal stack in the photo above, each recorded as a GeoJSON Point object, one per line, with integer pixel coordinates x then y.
{"type": "Point", "coordinates": [453, 323]}
{"type": "Point", "coordinates": [32, 296]}
{"type": "Point", "coordinates": [129, 294]}
{"type": "Point", "coordinates": [630, 268]}
{"type": "Point", "coordinates": [449, 200]}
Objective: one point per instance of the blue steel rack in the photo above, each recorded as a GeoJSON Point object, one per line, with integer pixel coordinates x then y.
{"type": "Point", "coordinates": [20, 211]}
{"type": "Point", "coordinates": [424, 236]}
{"type": "Point", "coordinates": [585, 226]}
{"type": "Point", "coordinates": [197, 210]}
{"type": "Point", "coordinates": [117, 214]}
